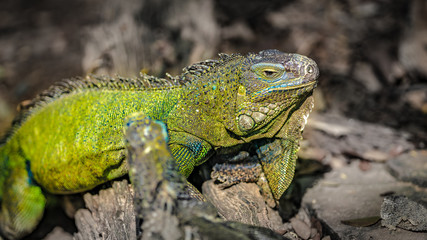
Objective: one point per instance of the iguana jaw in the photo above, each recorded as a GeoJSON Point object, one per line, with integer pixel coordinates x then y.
{"type": "Point", "coordinates": [294, 86]}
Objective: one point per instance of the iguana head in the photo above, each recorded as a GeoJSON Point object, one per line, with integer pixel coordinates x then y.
{"type": "Point", "coordinates": [270, 83]}
{"type": "Point", "coordinates": [244, 94]}
{"type": "Point", "coordinates": [272, 102]}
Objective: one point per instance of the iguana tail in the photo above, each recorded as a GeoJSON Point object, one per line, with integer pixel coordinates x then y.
{"type": "Point", "coordinates": [3, 169]}
{"type": "Point", "coordinates": [22, 201]}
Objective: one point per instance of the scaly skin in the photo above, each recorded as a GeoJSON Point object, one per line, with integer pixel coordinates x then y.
{"type": "Point", "coordinates": [69, 139]}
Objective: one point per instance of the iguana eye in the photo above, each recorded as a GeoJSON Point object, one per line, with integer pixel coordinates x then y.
{"type": "Point", "coordinates": [268, 71]}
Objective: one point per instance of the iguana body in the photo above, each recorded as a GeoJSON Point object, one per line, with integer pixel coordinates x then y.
{"type": "Point", "coordinates": [70, 138]}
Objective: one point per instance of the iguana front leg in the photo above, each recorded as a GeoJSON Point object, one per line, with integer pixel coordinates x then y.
{"type": "Point", "coordinates": [188, 151]}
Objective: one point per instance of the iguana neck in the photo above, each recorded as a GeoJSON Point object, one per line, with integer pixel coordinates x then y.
{"type": "Point", "coordinates": [211, 93]}
{"type": "Point", "coordinates": [208, 101]}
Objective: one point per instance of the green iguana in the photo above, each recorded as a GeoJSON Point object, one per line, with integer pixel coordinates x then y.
{"type": "Point", "coordinates": [69, 139]}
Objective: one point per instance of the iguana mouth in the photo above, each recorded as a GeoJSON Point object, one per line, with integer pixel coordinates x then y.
{"type": "Point", "coordinates": [287, 87]}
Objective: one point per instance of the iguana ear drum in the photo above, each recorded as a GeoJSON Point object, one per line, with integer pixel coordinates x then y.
{"type": "Point", "coordinates": [246, 123]}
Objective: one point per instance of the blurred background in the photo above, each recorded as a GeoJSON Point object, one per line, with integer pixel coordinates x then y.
{"type": "Point", "coordinates": [372, 54]}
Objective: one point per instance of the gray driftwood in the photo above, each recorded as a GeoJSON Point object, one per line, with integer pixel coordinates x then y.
{"type": "Point", "coordinates": [109, 215]}
{"type": "Point", "coordinates": [244, 203]}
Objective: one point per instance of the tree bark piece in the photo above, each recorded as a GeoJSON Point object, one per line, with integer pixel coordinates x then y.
{"type": "Point", "coordinates": [110, 214]}
{"type": "Point", "coordinates": [244, 203]}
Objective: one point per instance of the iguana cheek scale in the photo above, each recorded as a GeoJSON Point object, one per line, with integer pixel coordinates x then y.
{"type": "Point", "coordinates": [69, 139]}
